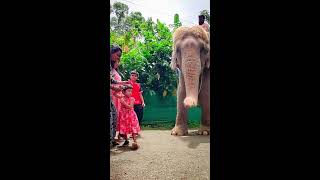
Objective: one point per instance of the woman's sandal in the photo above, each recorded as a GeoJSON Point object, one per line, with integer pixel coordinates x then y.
{"type": "Point", "coordinates": [126, 143]}
{"type": "Point", "coordinates": [114, 143]}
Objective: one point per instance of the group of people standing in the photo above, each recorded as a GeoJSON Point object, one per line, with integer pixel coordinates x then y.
{"type": "Point", "coordinates": [126, 103]}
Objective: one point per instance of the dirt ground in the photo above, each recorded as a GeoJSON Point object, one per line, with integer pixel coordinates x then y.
{"type": "Point", "coordinates": [162, 156]}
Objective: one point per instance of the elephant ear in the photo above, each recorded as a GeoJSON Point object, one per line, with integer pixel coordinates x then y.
{"type": "Point", "coordinates": [207, 62]}
{"type": "Point", "coordinates": [205, 55]}
{"type": "Point", "coordinates": [173, 64]}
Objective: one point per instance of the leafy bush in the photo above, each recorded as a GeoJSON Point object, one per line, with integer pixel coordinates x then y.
{"type": "Point", "coordinates": [147, 48]}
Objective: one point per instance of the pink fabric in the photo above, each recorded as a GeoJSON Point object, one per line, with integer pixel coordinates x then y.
{"type": "Point", "coordinates": [128, 120]}
{"type": "Point", "coordinates": [116, 101]}
{"type": "Point", "coordinates": [116, 75]}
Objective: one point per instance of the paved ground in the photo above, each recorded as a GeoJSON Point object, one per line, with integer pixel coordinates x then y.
{"type": "Point", "coordinates": [162, 156]}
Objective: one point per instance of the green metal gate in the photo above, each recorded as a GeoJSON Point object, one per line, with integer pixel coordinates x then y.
{"type": "Point", "coordinates": [161, 110]}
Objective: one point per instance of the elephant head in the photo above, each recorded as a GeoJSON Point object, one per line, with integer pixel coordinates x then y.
{"type": "Point", "coordinates": [190, 53]}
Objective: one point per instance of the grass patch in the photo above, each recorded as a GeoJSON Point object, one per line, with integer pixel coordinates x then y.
{"type": "Point", "coordinates": [165, 125]}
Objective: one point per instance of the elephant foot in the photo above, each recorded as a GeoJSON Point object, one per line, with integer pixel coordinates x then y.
{"type": "Point", "coordinates": [204, 130]}
{"type": "Point", "coordinates": [179, 131]}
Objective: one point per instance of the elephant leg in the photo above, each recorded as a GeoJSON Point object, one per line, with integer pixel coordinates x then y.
{"type": "Point", "coordinates": [181, 126]}
{"type": "Point", "coordinates": [204, 101]}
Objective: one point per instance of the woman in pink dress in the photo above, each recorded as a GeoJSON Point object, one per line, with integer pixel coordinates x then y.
{"type": "Point", "coordinates": [128, 119]}
{"type": "Point", "coordinates": [116, 95]}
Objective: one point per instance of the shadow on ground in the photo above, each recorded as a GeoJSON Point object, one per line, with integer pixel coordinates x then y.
{"type": "Point", "coordinates": [194, 140]}
{"type": "Point", "coordinates": [120, 149]}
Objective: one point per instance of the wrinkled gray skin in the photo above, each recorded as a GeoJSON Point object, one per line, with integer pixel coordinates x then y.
{"type": "Point", "coordinates": [192, 56]}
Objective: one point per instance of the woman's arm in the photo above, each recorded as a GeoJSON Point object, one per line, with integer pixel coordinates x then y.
{"type": "Point", "coordinates": [118, 95]}
{"type": "Point", "coordinates": [115, 87]}
{"type": "Point", "coordinates": [123, 82]}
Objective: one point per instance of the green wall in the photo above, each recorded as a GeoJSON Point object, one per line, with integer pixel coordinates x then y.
{"type": "Point", "coordinates": [160, 110]}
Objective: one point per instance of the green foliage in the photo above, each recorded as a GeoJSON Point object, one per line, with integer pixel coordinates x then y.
{"type": "Point", "coordinates": [147, 48]}
{"type": "Point", "coordinates": [206, 14]}
{"type": "Point", "coordinates": [118, 23]}
{"type": "Point", "coordinates": [177, 22]}
{"type": "Point", "coordinates": [135, 18]}
{"type": "Point", "coordinates": [121, 10]}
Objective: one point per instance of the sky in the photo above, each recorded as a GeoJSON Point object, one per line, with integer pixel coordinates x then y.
{"type": "Point", "coordinates": [164, 10]}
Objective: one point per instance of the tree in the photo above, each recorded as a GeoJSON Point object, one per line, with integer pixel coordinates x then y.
{"type": "Point", "coordinates": [113, 23]}
{"type": "Point", "coordinates": [133, 22]}
{"type": "Point", "coordinates": [135, 17]}
{"type": "Point", "coordinates": [147, 48]}
{"type": "Point", "coordinates": [206, 14]}
{"type": "Point", "coordinates": [176, 21]}
{"type": "Point", "coordinates": [121, 11]}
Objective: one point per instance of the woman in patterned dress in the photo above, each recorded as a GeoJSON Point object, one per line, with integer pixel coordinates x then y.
{"type": "Point", "coordinates": [113, 112]}
{"type": "Point", "coordinates": [115, 53]}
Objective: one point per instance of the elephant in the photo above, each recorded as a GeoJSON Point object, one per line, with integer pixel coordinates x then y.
{"type": "Point", "coordinates": [191, 55]}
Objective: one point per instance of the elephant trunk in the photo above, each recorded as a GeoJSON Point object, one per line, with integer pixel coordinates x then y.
{"type": "Point", "coordinates": [191, 68]}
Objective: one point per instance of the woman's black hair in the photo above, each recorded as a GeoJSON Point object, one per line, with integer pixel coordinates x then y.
{"type": "Point", "coordinates": [114, 49]}
{"type": "Point", "coordinates": [112, 63]}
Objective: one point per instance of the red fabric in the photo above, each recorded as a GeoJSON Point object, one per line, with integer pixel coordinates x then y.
{"type": "Point", "coordinates": [136, 92]}
{"type": "Point", "coordinates": [128, 120]}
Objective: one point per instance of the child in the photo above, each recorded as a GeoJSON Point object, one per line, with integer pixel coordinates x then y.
{"type": "Point", "coordinates": [137, 95]}
{"type": "Point", "coordinates": [128, 121]}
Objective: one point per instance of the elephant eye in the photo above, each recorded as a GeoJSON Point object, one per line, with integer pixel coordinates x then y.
{"type": "Point", "coordinates": [204, 50]}
{"type": "Point", "coordinates": [178, 50]}
{"type": "Point", "coordinates": [204, 47]}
